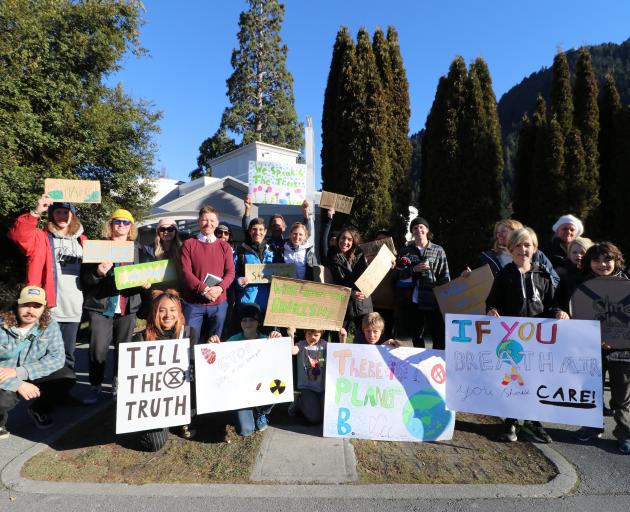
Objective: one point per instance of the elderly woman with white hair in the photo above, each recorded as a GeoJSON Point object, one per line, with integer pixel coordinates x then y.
{"type": "Point", "coordinates": [566, 229]}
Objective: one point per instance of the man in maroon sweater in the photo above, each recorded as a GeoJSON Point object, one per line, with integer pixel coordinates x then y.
{"type": "Point", "coordinates": [208, 271]}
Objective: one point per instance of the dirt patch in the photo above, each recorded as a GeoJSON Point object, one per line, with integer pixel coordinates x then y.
{"type": "Point", "coordinates": [473, 456]}
{"type": "Point", "coordinates": [91, 452]}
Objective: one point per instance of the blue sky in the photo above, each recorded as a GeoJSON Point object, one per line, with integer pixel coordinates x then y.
{"type": "Point", "coordinates": [190, 42]}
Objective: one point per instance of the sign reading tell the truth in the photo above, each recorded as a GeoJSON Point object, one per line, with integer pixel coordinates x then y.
{"type": "Point", "coordinates": [98, 251]}
{"type": "Point", "coordinates": [260, 273]}
{"type": "Point", "coordinates": [606, 299]}
{"type": "Point", "coordinates": [153, 385]}
{"type": "Point", "coordinates": [466, 295]}
{"type": "Point", "coordinates": [240, 374]}
{"type": "Point", "coordinates": [306, 304]}
{"type": "Point", "coordinates": [339, 202]}
{"type": "Point", "coordinates": [130, 276]}
{"type": "Point", "coordinates": [376, 392]}
{"type": "Point", "coordinates": [527, 368]}
{"type": "Point", "coordinates": [73, 191]}
{"type": "Point", "coordinates": [275, 183]}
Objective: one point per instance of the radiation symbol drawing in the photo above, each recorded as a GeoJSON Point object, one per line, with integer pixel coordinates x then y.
{"type": "Point", "coordinates": [277, 387]}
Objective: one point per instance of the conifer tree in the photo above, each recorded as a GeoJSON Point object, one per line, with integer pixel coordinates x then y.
{"type": "Point", "coordinates": [539, 166]}
{"type": "Point", "coordinates": [579, 200]}
{"type": "Point", "coordinates": [260, 89]}
{"type": "Point", "coordinates": [523, 169]}
{"type": "Point", "coordinates": [561, 98]}
{"type": "Point", "coordinates": [618, 182]}
{"type": "Point", "coordinates": [586, 120]}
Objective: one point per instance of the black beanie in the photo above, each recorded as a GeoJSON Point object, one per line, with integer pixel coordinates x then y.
{"type": "Point", "coordinates": [416, 221]}
{"type": "Point", "coordinates": [249, 310]}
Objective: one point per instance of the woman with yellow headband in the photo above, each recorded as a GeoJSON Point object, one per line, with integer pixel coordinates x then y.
{"type": "Point", "coordinates": [112, 312]}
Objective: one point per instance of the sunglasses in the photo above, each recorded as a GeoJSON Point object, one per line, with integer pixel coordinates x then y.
{"type": "Point", "coordinates": [221, 232]}
{"type": "Point", "coordinates": [169, 229]}
{"type": "Point", "coordinates": [118, 222]}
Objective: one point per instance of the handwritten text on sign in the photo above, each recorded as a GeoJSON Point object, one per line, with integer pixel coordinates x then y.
{"type": "Point", "coordinates": [466, 295]}
{"type": "Point", "coordinates": [98, 251]}
{"type": "Point", "coordinates": [306, 305]}
{"type": "Point", "coordinates": [73, 191]}
{"type": "Point", "coordinates": [260, 273]}
{"type": "Point", "coordinates": [275, 183]}
{"type": "Point", "coordinates": [153, 385]}
{"type": "Point", "coordinates": [240, 374]}
{"type": "Point", "coordinates": [526, 368]}
{"type": "Point", "coordinates": [339, 202]}
{"type": "Point", "coordinates": [374, 392]}
{"type": "Point", "coordinates": [130, 276]}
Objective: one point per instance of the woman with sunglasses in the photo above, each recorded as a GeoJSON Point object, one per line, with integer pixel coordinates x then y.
{"type": "Point", "coordinates": [112, 312]}
{"type": "Point", "coordinates": [166, 246]}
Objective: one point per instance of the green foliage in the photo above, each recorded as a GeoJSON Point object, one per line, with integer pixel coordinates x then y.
{"type": "Point", "coordinates": [58, 119]}
{"type": "Point", "coordinates": [219, 144]}
{"type": "Point", "coordinates": [260, 89]}
{"type": "Point", "coordinates": [561, 97]}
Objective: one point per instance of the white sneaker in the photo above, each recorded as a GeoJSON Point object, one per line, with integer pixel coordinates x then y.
{"type": "Point", "coordinates": [92, 397]}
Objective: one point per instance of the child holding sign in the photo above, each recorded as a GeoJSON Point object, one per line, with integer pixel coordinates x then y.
{"type": "Point", "coordinates": [247, 421]}
{"type": "Point", "coordinates": [522, 288]}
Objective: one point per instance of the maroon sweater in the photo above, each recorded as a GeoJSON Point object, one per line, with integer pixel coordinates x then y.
{"type": "Point", "coordinates": [197, 260]}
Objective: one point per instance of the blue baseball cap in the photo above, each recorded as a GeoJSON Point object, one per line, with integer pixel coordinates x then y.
{"type": "Point", "coordinates": [67, 206]}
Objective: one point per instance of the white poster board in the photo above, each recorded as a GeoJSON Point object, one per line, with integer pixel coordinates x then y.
{"type": "Point", "coordinates": [526, 368]}
{"type": "Point", "coordinates": [277, 183]}
{"type": "Point", "coordinates": [153, 385]}
{"type": "Point", "coordinates": [376, 392]}
{"type": "Point", "coordinates": [239, 374]}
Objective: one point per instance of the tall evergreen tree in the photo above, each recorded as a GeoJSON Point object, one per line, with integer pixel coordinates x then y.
{"type": "Point", "coordinates": [561, 97]}
{"type": "Point", "coordinates": [618, 182]}
{"type": "Point", "coordinates": [579, 200]}
{"type": "Point", "coordinates": [539, 167]}
{"type": "Point", "coordinates": [611, 125]}
{"type": "Point", "coordinates": [587, 122]}
{"type": "Point", "coordinates": [260, 89]}
{"type": "Point", "coordinates": [523, 169]}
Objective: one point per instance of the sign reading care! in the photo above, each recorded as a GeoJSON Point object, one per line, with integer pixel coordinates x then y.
{"type": "Point", "coordinates": [153, 385]}
{"type": "Point", "coordinates": [240, 374]}
{"type": "Point", "coordinates": [275, 183]}
{"type": "Point", "coordinates": [526, 368]}
{"type": "Point", "coordinates": [375, 392]}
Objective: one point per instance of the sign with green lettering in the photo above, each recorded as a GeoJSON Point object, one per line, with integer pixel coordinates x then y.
{"type": "Point", "coordinates": [130, 276]}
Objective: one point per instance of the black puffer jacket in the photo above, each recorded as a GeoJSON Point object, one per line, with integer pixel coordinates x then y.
{"type": "Point", "coordinates": [345, 273]}
{"type": "Point", "coordinates": [516, 294]}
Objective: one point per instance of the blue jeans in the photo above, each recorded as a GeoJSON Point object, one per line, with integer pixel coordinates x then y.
{"type": "Point", "coordinates": [245, 419]}
{"type": "Point", "coordinates": [206, 320]}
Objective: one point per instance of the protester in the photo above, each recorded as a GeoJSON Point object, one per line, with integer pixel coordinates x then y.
{"type": "Point", "coordinates": [299, 252]}
{"type": "Point", "coordinates": [566, 229]}
{"type": "Point", "coordinates": [167, 244]}
{"type": "Point", "coordinates": [421, 266]}
{"type": "Point", "coordinates": [112, 312]}
{"type": "Point", "coordinates": [247, 421]}
{"type": "Point", "coordinates": [373, 332]}
{"type": "Point", "coordinates": [207, 271]}
{"type": "Point", "coordinates": [223, 232]}
{"type": "Point", "coordinates": [53, 259]}
{"type": "Point", "coordinates": [571, 275]}
{"type": "Point", "coordinates": [165, 322]}
{"type": "Point", "coordinates": [524, 289]}
{"type": "Point", "coordinates": [31, 359]}
{"type": "Point", "coordinates": [347, 263]}
{"type": "Point", "coordinates": [255, 250]}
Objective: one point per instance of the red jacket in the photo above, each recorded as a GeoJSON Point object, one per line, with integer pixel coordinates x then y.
{"type": "Point", "coordinates": [37, 246]}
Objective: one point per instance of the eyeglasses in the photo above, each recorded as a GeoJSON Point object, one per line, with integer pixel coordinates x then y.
{"type": "Point", "coordinates": [169, 229]}
{"type": "Point", "coordinates": [118, 222]}
{"type": "Point", "coordinates": [221, 232]}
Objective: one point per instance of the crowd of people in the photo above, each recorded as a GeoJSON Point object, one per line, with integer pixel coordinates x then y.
{"type": "Point", "coordinates": [212, 300]}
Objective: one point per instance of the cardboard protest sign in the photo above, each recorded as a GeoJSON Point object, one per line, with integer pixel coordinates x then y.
{"type": "Point", "coordinates": [322, 274]}
{"type": "Point", "coordinates": [130, 276]}
{"type": "Point", "coordinates": [339, 202]}
{"type": "Point", "coordinates": [607, 300]}
{"type": "Point", "coordinates": [466, 295]}
{"type": "Point", "coordinates": [97, 251]}
{"type": "Point", "coordinates": [260, 273]}
{"type": "Point", "coordinates": [73, 191]}
{"type": "Point", "coordinates": [375, 392]}
{"type": "Point", "coordinates": [370, 249]}
{"type": "Point", "coordinates": [240, 374]}
{"type": "Point", "coordinates": [275, 183]}
{"type": "Point", "coordinates": [153, 385]}
{"type": "Point", "coordinates": [376, 271]}
{"type": "Point", "coordinates": [306, 304]}
{"type": "Point", "coordinates": [526, 368]}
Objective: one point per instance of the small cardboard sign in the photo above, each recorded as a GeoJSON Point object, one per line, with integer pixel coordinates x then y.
{"type": "Point", "coordinates": [606, 299]}
{"type": "Point", "coordinates": [376, 271]}
{"type": "Point", "coordinates": [130, 276]}
{"type": "Point", "coordinates": [153, 385]}
{"type": "Point", "coordinates": [306, 304]}
{"type": "Point", "coordinates": [339, 202]}
{"type": "Point", "coordinates": [261, 273]}
{"type": "Point", "coordinates": [73, 191]}
{"type": "Point", "coordinates": [370, 249]}
{"type": "Point", "coordinates": [240, 374]}
{"type": "Point", "coordinates": [99, 251]}
{"type": "Point", "coordinates": [466, 295]}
